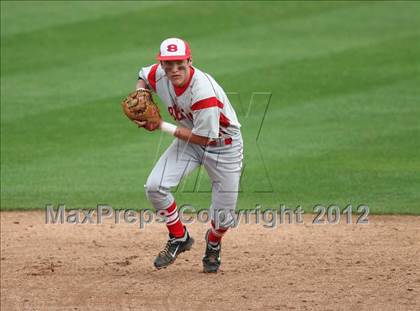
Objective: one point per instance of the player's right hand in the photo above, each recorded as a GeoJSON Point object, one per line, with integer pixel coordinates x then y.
{"type": "Point", "coordinates": [150, 126]}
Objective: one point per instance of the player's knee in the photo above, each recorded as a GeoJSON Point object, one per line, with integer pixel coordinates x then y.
{"type": "Point", "coordinates": [151, 190]}
{"type": "Point", "coordinates": [159, 196]}
{"type": "Point", "coordinates": [154, 190]}
{"type": "Point", "coordinates": [151, 186]}
{"type": "Point", "coordinates": [154, 182]}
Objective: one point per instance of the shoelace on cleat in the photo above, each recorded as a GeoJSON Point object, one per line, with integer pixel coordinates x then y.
{"type": "Point", "coordinates": [165, 251]}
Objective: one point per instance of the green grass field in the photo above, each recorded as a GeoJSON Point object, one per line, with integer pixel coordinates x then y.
{"type": "Point", "coordinates": [342, 127]}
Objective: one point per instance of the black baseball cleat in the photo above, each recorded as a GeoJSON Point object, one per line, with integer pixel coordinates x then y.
{"type": "Point", "coordinates": [173, 248]}
{"type": "Point", "coordinates": [211, 259]}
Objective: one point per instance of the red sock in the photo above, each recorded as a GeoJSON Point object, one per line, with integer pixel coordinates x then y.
{"type": "Point", "coordinates": [215, 235]}
{"type": "Point", "coordinates": [173, 223]}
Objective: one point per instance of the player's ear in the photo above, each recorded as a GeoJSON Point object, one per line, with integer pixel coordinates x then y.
{"type": "Point", "coordinates": [190, 61]}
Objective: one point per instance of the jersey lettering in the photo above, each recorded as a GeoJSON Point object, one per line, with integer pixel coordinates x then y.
{"type": "Point", "coordinates": [176, 113]}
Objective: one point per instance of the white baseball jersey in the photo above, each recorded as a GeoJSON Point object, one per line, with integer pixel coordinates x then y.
{"type": "Point", "coordinates": [201, 104]}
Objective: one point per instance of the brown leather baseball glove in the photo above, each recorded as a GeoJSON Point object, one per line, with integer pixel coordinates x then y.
{"type": "Point", "coordinates": [139, 106]}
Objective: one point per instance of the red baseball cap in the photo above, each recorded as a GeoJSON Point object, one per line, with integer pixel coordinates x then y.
{"type": "Point", "coordinates": [174, 49]}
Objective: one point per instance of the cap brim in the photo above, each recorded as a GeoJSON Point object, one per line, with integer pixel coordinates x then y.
{"type": "Point", "coordinates": [180, 57]}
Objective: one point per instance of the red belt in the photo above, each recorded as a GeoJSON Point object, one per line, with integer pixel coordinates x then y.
{"type": "Point", "coordinates": [220, 142]}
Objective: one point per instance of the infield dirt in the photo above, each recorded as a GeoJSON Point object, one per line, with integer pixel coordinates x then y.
{"type": "Point", "coordinates": [293, 267]}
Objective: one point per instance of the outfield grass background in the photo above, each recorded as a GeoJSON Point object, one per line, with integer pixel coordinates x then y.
{"type": "Point", "coordinates": [343, 124]}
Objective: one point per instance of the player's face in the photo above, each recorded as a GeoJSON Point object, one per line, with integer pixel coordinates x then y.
{"type": "Point", "coordinates": [177, 71]}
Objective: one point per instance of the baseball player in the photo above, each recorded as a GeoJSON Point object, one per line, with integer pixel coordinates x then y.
{"type": "Point", "coordinates": [207, 132]}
